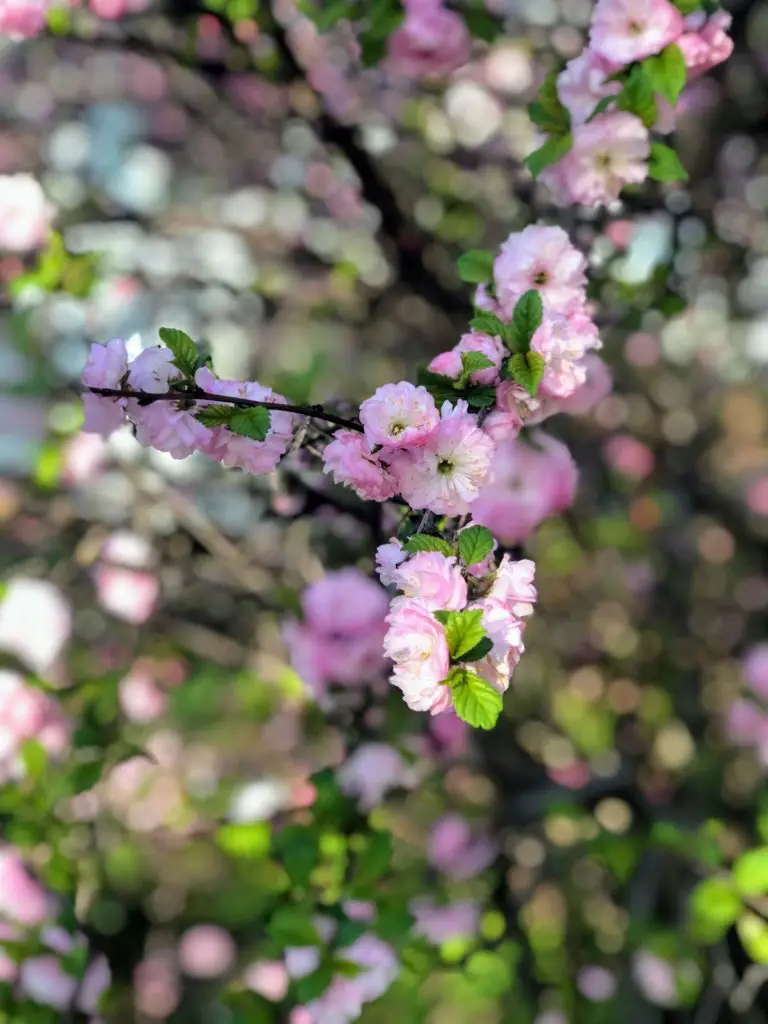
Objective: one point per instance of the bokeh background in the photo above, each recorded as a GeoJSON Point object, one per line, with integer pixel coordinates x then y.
{"type": "Point", "coordinates": [248, 183]}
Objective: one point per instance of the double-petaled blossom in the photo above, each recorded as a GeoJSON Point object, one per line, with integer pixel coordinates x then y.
{"type": "Point", "coordinates": [431, 40]}
{"type": "Point", "coordinates": [584, 82]}
{"type": "Point", "coordinates": [153, 370]}
{"type": "Point", "coordinates": [541, 258]}
{"type": "Point", "coordinates": [433, 580]}
{"type": "Point", "coordinates": [350, 459]}
{"type": "Point", "coordinates": [416, 643]}
{"type": "Point", "coordinates": [399, 416]}
{"type": "Point", "coordinates": [705, 43]}
{"type": "Point", "coordinates": [106, 367]}
{"type": "Point", "coordinates": [624, 31]}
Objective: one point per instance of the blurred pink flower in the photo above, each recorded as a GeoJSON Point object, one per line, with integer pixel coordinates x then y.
{"type": "Point", "coordinates": [656, 978]}
{"type": "Point", "coordinates": [206, 951]}
{"type": "Point", "coordinates": [43, 980]}
{"type": "Point", "coordinates": [126, 593]}
{"type": "Point", "coordinates": [374, 769]}
{"type": "Point", "coordinates": [624, 31]}
{"type": "Point", "coordinates": [25, 213]}
{"type": "Point", "coordinates": [706, 42]}
{"type": "Point", "coordinates": [267, 978]}
{"type": "Point", "coordinates": [629, 456]}
{"type": "Point", "coordinates": [457, 851]}
{"type": "Point", "coordinates": [596, 984]}
{"type": "Point", "coordinates": [754, 666]}
{"type": "Point", "coordinates": [22, 899]}
{"type": "Point", "coordinates": [141, 699]}
{"type": "Point", "coordinates": [440, 924]}
{"type": "Point", "coordinates": [430, 41]}
{"type": "Point", "coordinates": [35, 623]}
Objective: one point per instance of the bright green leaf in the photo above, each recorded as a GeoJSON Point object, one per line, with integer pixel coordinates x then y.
{"type": "Point", "coordinates": [475, 543]}
{"type": "Point", "coordinates": [298, 850]}
{"type": "Point", "coordinates": [479, 651]}
{"type": "Point", "coordinates": [687, 6]}
{"type": "Point", "coordinates": [476, 702]}
{"type": "Point", "coordinates": [638, 98]}
{"type": "Point", "coordinates": [486, 323]}
{"type": "Point", "coordinates": [750, 872]}
{"type": "Point", "coordinates": [667, 72]}
{"type": "Point", "coordinates": [216, 415]}
{"type": "Point", "coordinates": [547, 111]}
{"type": "Point", "coordinates": [665, 164]}
{"type": "Point", "coordinates": [35, 759]}
{"type": "Point", "coordinates": [527, 318]}
{"type": "Point", "coordinates": [292, 926]}
{"type": "Point", "coordinates": [313, 985]}
{"type": "Point", "coordinates": [715, 906]}
{"type": "Point", "coordinates": [601, 107]}
{"type": "Point", "coordinates": [463, 630]}
{"type": "Point", "coordinates": [527, 369]}
{"type": "Point", "coordinates": [252, 423]}
{"type": "Point", "coordinates": [471, 362]}
{"type": "Point", "coordinates": [426, 542]}
{"type": "Point", "coordinates": [441, 388]}
{"type": "Point", "coordinates": [753, 932]}
{"type": "Point", "coordinates": [475, 266]}
{"type": "Point", "coordinates": [183, 348]}
{"type": "Point", "coordinates": [246, 841]}
{"type": "Point", "coordinates": [553, 150]}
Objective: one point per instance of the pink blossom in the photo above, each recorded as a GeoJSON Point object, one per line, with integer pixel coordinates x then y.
{"type": "Point", "coordinates": [126, 593]}
{"type": "Point", "coordinates": [430, 41]}
{"type": "Point", "coordinates": [513, 586]}
{"type": "Point", "coordinates": [505, 630]}
{"type": "Point", "coordinates": [268, 978]}
{"type": "Point", "coordinates": [106, 365]}
{"type": "Point", "coordinates": [170, 429]}
{"type": "Point", "coordinates": [388, 557]}
{"type": "Point", "coordinates": [102, 415]}
{"type": "Point", "coordinates": [441, 924]}
{"type": "Point", "coordinates": [490, 347]}
{"type": "Point", "coordinates": [541, 258]}
{"type": "Point", "coordinates": [513, 409]}
{"type": "Point", "coordinates": [22, 899]}
{"type": "Point", "coordinates": [350, 459]}
{"type": "Point", "coordinates": [608, 153]}
{"type": "Point", "coordinates": [563, 341]}
{"type": "Point", "coordinates": [25, 213]}
{"type": "Point", "coordinates": [525, 485]}
{"type": "Point", "coordinates": [399, 416]}
{"type": "Point", "coordinates": [206, 951]}
{"type": "Point", "coordinates": [656, 978]}
{"type": "Point", "coordinates": [458, 852]}
{"type": "Point", "coordinates": [374, 769]}
{"type": "Point", "coordinates": [584, 82]}
{"type": "Point", "coordinates": [629, 456]}
{"type": "Point", "coordinates": [43, 980]}
{"type": "Point", "coordinates": [85, 456]}
{"type": "Point", "coordinates": [705, 44]}
{"type": "Point", "coordinates": [152, 370]}
{"type": "Point", "coordinates": [446, 474]}
{"type": "Point", "coordinates": [141, 699]}
{"type": "Point", "coordinates": [754, 667]}
{"type": "Point", "coordinates": [35, 623]}
{"type": "Point", "coordinates": [416, 644]}
{"type": "Point", "coordinates": [447, 364]}
{"type": "Point", "coordinates": [596, 984]}
{"type": "Point", "coordinates": [746, 724]}
{"type": "Point", "coordinates": [27, 713]}
{"type": "Point", "coordinates": [448, 735]}
{"type": "Point", "coordinates": [624, 31]}
{"type": "Point", "coordinates": [433, 580]}
{"type": "Point", "coordinates": [344, 603]}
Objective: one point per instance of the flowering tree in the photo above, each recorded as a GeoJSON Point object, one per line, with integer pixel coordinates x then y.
{"type": "Point", "coordinates": [451, 475]}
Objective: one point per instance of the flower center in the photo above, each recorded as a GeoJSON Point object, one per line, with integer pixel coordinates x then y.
{"type": "Point", "coordinates": [541, 277]}
{"type": "Point", "coordinates": [445, 467]}
{"type": "Point", "coordinates": [396, 429]}
{"type": "Point", "coordinates": [603, 160]}
{"type": "Point", "coordinates": [635, 28]}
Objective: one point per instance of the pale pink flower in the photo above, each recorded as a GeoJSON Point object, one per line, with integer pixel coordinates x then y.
{"type": "Point", "coordinates": [563, 341]}
{"type": "Point", "coordinates": [416, 643]}
{"type": "Point", "coordinates": [513, 409]}
{"type": "Point", "coordinates": [43, 980]}
{"type": "Point", "coordinates": [268, 978]}
{"type": "Point", "coordinates": [441, 924]}
{"type": "Point", "coordinates": [25, 213]}
{"type": "Point", "coordinates": [629, 456]}
{"type": "Point", "coordinates": [705, 43]}
{"type": "Point", "coordinates": [372, 771]}
{"type": "Point", "coordinates": [584, 82]}
{"type": "Point", "coordinates": [360, 910]}
{"type": "Point", "coordinates": [446, 474]}
{"type": "Point", "coordinates": [447, 364]}
{"type": "Point", "coordinates": [513, 586]}
{"type": "Point", "coordinates": [102, 415]}
{"type": "Point", "coordinates": [343, 1000]}
{"type": "Point", "coordinates": [206, 951]}
{"type": "Point", "coordinates": [754, 667]}
{"type": "Point", "coordinates": [126, 593]}
{"type": "Point", "coordinates": [746, 724]}
{"type": "Point", "coordinates": [541, 258]}
{"type": "Point", "coordinates": [433, 580]}
{"type": "Point", "coordinates": [169, 429]}
{"type": "Point", "coordinates": [596, 983]}
{"type": "Point", "coordinates": [350, 459]}
{"type": "Point", "coordinates": [22, 899]}
{"type": "Point", "coordinates": [399, 416]}
{"type": "Point", "coordinates": [388, 557]}
{"type": "Point", "coordinates": [35, 623]}
{"type": "Point", "coordinates": [656, 978]}
{"type": "Point", "coordinates": [449, 736]}
{"type": "Point", "coordinates": [94, 984]}
{"type": "Point", "coordinates": [141, 699]}
{"type": "Point", "coordinates": [457, 851]}
{"type": "Point", "coordinates": [624, 31]}
{"type": "Point", "coordinates": [345, 603]}
{"type": "Point", "coordinates": [526, 484]}
{"type": "Point", "coordinates": [106, 365]}
{"type": "Point", "coordinates": [608, 153]}
{"type": "Point", "coordinates": [85, 456]}
{"type": "Point", "coordinates": [152, 370]}
{"type": "Point", "coordinates": [505, 630]}
{"type": "Point", "coordinates": [430, 41]}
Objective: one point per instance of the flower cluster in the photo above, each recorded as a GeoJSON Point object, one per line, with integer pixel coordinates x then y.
{"type": "Point", "coordinates": [455, 637]}
{"type": "Point", "coordinates": [600, 111]}
{"type": "Point", "coordinates": [27, 713]}
{"type": "Point", "coordinates": [431, 41]}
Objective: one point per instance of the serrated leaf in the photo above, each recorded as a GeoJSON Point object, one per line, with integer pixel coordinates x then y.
{"type": "Point", "coordinates": [667, 72]}
{"type": "Point", "coordinates": [527, 318]}
{"type": "Point", "coordinates": [475, 543]}
{"type": "Point", "coordinates": [292, 926]}
{"type": "Point", "coordinates": [665, 164]}
{"type": "Point", "coordinates": [486, 323]}
{"type": "Point", "coordinates": [475, 266]}
{"type": "Point", "coordinates": [441, 388]}
{"type": "Point", "coordinates": [426, 542]}
{"type": "Point", "coordinates": [216, 415]}
{"type": "Point", "coordinates": [480, 397]}
{"type": "Point", "coordinates": [553, 150]}
{"type": "Point", "coordinates": [602, 106]}
{"type": "Point", "coordinates": [638, 98]}
{"type": "Point", "coordinates": [471, 362]}
{"type": "Point", "coordinates": [463, 630]}
{"type": "Point", "coordinates": [251, 423]}
{"type": "Point", "coordinates": [476, 702]}
{"type": "Point", "coordinates": [547, 111]}
{"type": "Point", "coordinates": [527, 369]}
{"type": "Point", "coordinates": [480, 651]}
{"type": "Point", "coordinates": [183, 348]}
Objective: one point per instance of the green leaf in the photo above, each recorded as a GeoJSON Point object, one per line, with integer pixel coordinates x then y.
{"type": "Point", "coordinates": [637, 97]}
{"type": "Point", "coordinates": [475, 266]}
{"type": "Point", "coordinates": [426, 542]}
{"type": "Point", "coordinates": [298, 849]}
{"type": "Point", "coordinates": [245, 841]}
{"type": "Point", "coordinates": [372, 861]}
{"type": "Point", "coordinates": [553, 150]}
{"type": "Point", "coordinates": [527, 369]}
{"type": "Point", "coordinates": [183, 348]}
{"type": "Point", "coordinates": [476, 702]}
{"type": "Point", "coordinates": [475, 542]}
{"type": "Point", "coordinates": [480, 397]}
{"type": "Point", "coordinates": [481, 25]}
{"type": "Point", "coordinates": [463, 630]}
{"type": "Point", "coordinates": [35, 759]}
{"type": "Point", "coordinates": [471, 362]}
{"type": "Point", "coordinates": [252, 423]}
{"type": "Point", "coordinates": [384, 17]}
{"type": "Point", "coordinates": [394, 922]}
{"type": "Point", "coordinates": [750, 872]}
{"type": "Point", "coordinates": [547, 111]}
{"type": "Point", "coordinates": [292, 926]}
{"type": "Point", "coordinates": [85, 776]}
{"type": "Point", "coordinates": [527, 318]}
{"type": "Point", "coordinates": [480, 651]}
{"type": "Point", "coordinates": [313, 985]}
{"type": "Point", "coordinates": [665, 164]}
{"type": "Point", "coordinates": [667, 72]}
{"type": "Point", "coordinates": [687, 6]}
{"type": "Point", "coordinates": [347, 932]}
{"type": "Point", "coordinates": [601, 107]}
{"type": "Point", "coordinates": [486, 323]}
{"type": "Point", "coordinates": [216, 415]}
{"type": "Point", "coordinates": [440, 387]}
{"type": "Point", "coordinates": [753, 932]}
{"type": "Point", "coordinates": [714, 906]}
